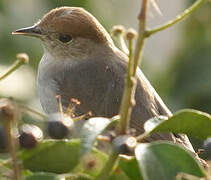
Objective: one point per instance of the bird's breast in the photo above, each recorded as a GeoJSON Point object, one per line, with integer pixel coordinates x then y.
{"type": "Point", "coordinates": [46, 86]}
{"type": "Point", "coordinates": [51, 74]}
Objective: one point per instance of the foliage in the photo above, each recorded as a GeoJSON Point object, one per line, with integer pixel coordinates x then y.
{"type": "Point", "coordinates": [154, 160]}
{"type": "Point", "coordinates": [125, 156]}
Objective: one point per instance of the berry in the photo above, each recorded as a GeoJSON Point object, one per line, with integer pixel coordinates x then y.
{"type": "Point", "coordinates": [124, 144]}
{"type": "Point", "coordinates": [117, 29]}
{"type": "Point", "coordinates": [30, 135]}
{"type": "Point", "coordinates": [131, 34]}
{"type": "Point", "coordinates": [59, 125]}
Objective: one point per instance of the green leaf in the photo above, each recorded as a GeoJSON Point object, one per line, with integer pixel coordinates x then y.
{"type": "Point", "coordinates": [130, 167]}
{"type": "Point", "coordinates": [118, 174]}
{"type": "Point", "coordinates": [80, 176]}
{"type": "Point", "coordinates": [191, 122]}
{"type": "Point", "coordinates": [43, 176]}
{"type": "Point", "coordinates": [52, 156]}
{"type": "Point", "coordinates": [164, 160]}
{"type": "Point", "coordinates": [92, 128]}
{"type": "Point", "coordinates": [92, 163]}
{"type": "Point", "coordinates": [62, 156]}
{"type": "Point", "coordinates": [152, 123]}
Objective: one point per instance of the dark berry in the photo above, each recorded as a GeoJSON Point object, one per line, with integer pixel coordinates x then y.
{"type": "Point", "coordinates": [59, 125]}
{"type": "Point", "coordinates": [30, 135]}
{"type": "Point", "coordinates": [124, 144]}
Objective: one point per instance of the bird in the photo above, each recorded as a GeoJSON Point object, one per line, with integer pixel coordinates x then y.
{"type": "Point", "coordinates": [81, 61]}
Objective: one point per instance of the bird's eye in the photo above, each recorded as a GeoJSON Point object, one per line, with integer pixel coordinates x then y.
{"type": "Point", "coordinates": [65, 38]}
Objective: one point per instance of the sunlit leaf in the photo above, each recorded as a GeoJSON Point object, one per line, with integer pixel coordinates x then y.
{"type": "Point", "coordinates": [191, 122]}
{"type": "Point", "coordinates": [92, 163]}
{"type": "Point", "coordinates": [52, 156]}
{"type": "Point", "coordinates": [62, 156]}
{"type": "Point", "coordinates": [152, 123]}
{"type": "Point", "coordinates": [164, 160]}
{"type": "Point", "coordinates": [130, 167]}
{"type": "Point", "coordinates": [92, 128]}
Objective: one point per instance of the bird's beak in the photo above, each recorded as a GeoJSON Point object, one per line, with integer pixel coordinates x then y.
{"type": "Point", "coordinates": [29, 31]}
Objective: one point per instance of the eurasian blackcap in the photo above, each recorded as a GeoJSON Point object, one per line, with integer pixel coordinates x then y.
{"type": "Point", "coordinates": [81, 61]}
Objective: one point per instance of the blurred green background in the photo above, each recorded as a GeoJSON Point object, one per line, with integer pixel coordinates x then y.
{"type": "Point", "coordinates": [177, 61]}
{"type": "Point", "coordinates": [187, 82]}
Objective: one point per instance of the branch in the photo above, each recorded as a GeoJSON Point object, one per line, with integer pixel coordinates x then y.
{"type": "Point", "coordinates": [117, 32]}
{"type": "Point", "coordinates": [128, 100]}
{"type": "Point", "coordinates": [178, 18]}
{"type": "Point", "coordinates": [22, 58]}
{"type": "Point", "coordinates": [9, 117]}
{"type": "Point", "coordinates": [141, 35]}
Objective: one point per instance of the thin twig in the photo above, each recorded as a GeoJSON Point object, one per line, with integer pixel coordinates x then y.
{"type": "Point", "coordinates": [128, 100]}
{"type": "Point", "coordinates": [142, 136]}
{"type": "Point", "coordinates": [141, 36]}
{"type": "Point", "coordinates": [59, 101]}
{"type": "Point", "coordinates": [12, 149]}
{"type": "Point", "coordinates": [178, 18]}
{"type": "Point", "coordinates": [117, 32]}
{"type": "Point", "coordinates": [122, 43]}
{"type": "Point", "coordinates": [9, 114]}
{"type": "Point", "coordinates": [22, 58]}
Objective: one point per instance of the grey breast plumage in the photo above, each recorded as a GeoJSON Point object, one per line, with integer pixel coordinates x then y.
{"type": "Point", "coordinates": [98, 84]}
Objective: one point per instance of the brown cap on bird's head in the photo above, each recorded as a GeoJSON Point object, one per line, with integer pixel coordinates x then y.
{"type": "Point", "coordinates": [70, 20]}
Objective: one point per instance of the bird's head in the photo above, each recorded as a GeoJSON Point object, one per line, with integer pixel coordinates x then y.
{"type": "Point", "coordinates": [69, 31]}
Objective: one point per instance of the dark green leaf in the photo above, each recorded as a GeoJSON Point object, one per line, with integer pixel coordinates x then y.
{"type": "Point", "coordinates": [130, 168]}
{"type": "Point", "coordinates": [43, 176]}
{"type": "Point", "coordinates": [62, 156]}
{"type": "Point", "coordinates": [164, 160]}
{"type": "Point", "coordinates": [52, 156]}
{"type": "Point", "coordinates": [91, 129]}
{"type": "Point", "coordinates": [191, 122]}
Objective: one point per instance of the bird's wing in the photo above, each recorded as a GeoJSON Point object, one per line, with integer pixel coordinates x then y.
{"type": "Point", "coordinates": [158, 103]}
